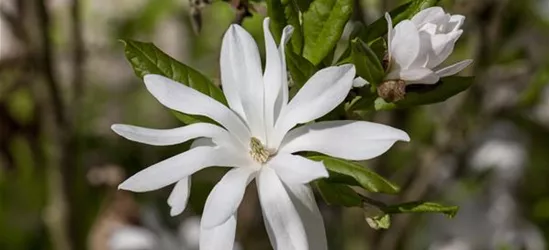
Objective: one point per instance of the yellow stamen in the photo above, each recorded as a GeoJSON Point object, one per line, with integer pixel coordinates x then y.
{"type": "Point", "coordinates": [258, 152]}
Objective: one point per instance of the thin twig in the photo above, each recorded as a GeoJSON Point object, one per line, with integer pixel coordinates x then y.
{"type": "Point", "coordinates": [78, 55]}
{"type": "Point", "coordinates": [46, 60]}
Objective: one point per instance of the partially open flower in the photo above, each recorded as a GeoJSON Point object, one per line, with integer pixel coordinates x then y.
{"type": "Point", "coordinates": [418, 46]}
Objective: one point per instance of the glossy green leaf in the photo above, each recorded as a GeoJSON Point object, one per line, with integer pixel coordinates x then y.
{"type": "Point", "coordinates": [365, 177]}
{"type": "Point", "coordinates": [421, 207]}
{"type": "Point", "coordinates": [366, 62]}
{"type": "Point", "coordinates": [145, 58]}
{"type": "Point", "coordinates": [323, 24]}
{"type": "Point", "coordinates": [444, 89]}
{"type": "Point", "coordinates": [405, 11]}
{"type": "Point", "coordinates": [338, 194]}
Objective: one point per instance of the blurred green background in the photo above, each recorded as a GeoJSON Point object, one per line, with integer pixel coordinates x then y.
{"type": "Point", "coordinates": [64, 80]}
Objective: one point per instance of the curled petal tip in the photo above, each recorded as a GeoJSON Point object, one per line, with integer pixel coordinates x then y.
{"type": "Point", "coordinates": [404, 137]}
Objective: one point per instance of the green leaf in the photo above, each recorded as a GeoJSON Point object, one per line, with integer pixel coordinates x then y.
{"type": "Point", "coordinates": [283, 13]}
{"type": "Point", "coordinates": [300, 70]}
{"type": "Point", "coordinates": [379, 222]}
{"type": "Point", "coordinates": [275, 11]}
{"type": "Point", "coordinates": [338, 194]}
{"type": "Point", "coordinates": [444, 89]}
{"type": "Point", "coordinates": [323, 25]}
{"type": "Point", "coordinates": [365, 177]}
{"type": "Point", "coordinates": [421, 207]}
{"type": "Point", "coordinates": [145, 58]}
{"type": "Point", "coordinates": [406, 11]}
{"type": "Point", "coordinates": [366, 62]}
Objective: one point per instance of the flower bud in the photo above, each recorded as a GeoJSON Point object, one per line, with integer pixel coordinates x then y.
{"type": "Point", "coordinates": [392, 90]}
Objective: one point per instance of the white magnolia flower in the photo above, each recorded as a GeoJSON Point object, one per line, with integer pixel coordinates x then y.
{"type": "Point", "coordinates": [418, 46]}
{"type": "Point", "coordinates": [257, 138]}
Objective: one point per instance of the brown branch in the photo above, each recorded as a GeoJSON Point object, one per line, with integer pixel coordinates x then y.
{"type": "Point", "coordinates": [78, 55]}
{"type": "Point", "coordinates": [57, 150]}
{"type": "Point", "coordinates": [47, 64]}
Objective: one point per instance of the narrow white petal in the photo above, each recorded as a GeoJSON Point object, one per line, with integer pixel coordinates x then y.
{"type": "Point", "coordinates": [187, 100]}
{"type": "Point", "coordinates": [352, 140]}
{"type": "Point", "coordinates": [284, 222]}
{"type": "Point", "coordinates": [281, 102]}
{"type": "Point", "coordinates": [454, 68]}
{"type": "Point", "coordinates": [220, 237]}
{"type": "Point", "coordinates": [405, 44]}
{"type": "Point", "coordinates": [427, 16]}
{"type": "Point", "coordinates": [179, 196]}
{"type": "Point", "coordinates": [161, 137]}
{"type": "Point", "coordinates": [418, 75]}
{"type": "Point", "coordinates": [241, 76]}
{"type": "Point", "coordinates": [180, 166]}
{"type": "Point", "coordinates": [225, 197]}
{"type": "Point", "coordinates": [272, 77]}
{"type": "Point", "coordinates": [304, 200]}
{"type": "Point", "coordinates": [321, 93]}
{"type": "Point", "coordinates": [360, 82]}
{"type": "Point", "coordinates": [297, 169]}
{"type": "Point", "coordinates": [390, 32]}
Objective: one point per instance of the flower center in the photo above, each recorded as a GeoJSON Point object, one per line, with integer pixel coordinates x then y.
{"type": "Point", "coordinates": [258, 152]}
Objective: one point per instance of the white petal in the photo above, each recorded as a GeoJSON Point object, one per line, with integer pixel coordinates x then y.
{"type": "Point", "coordinates": [304, 200]}
{"type": "Point", "coordinates": [281, 102]}
{"type": "Point", "coordinates": [428, 15]}
{"type": "Point", "coordinates": [360, 82]}
{"type": "Point", "coordinates": [352, 140]}
{"type": "Point", "coordinates": [283, 220]}
{"type": "Point", "coordinates": [241, 77]}
{"type": "Point", "coordinates": [454, 68]}
{"type": "Point", "coordinates": [297, 169]}
{"type": "Point", "coordinates": [419, 75]}
{"type": "Point", "coordinates": [225, 197]}
{"type": "Point", "coordinates": [321, 93]}
{"type": "Point", "coordinates": [425, 51]}
{"type": "Point", "coordinates": [161, 137]}
{"type": "Point", "coordinates": [180, 166]}
{"type": "Point", "coordinates": [455, 23]}
{"type": "Point", "coordinates": [273, 76]}
{"type": "Point", "coordinates": [405, 44]}
{"type": "Point", "coordinates": [187, 100]}
{"type": "Point", "coordinates": [220, 237]}
{"type": "Point", "coordinates": [179, 196]}
{"type": "Point", "coordinates": [390, 33]}
{"type": "Point", "coordinates": [442, 42]}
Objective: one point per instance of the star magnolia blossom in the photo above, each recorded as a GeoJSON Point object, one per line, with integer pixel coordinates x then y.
{"type": "Point", "coordinates": [257, 139]}
{"type": "Point", "coordinates": [418, 46]}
